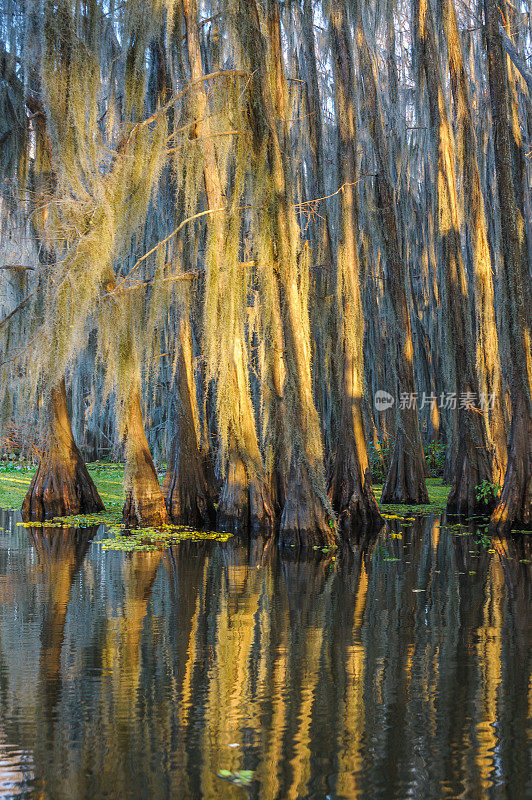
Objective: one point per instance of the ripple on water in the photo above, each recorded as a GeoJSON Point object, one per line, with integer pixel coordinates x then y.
{"type": "Point", "coordinates": [397, 668]}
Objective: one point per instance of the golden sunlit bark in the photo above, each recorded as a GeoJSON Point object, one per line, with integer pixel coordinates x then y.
{"type": "Point", "coordinates": [144, 503]}
{"type": "Point", "coordinates": [245, 500]}
{"type": "Point", "coordinates": [486, 334]}
{"type": "Point", "coordinates": [307, 517]}
{"type": "Point", "coordinates": [350, 490]}
{"type": "Point", "coordinates": [515, 504]}
{"type": "Point", "coordinates": [405, 482]}
{"type": "Point", "coordinates": [473, 463]}
{"type": "Point", "coordinates": [143, 499]}
{"type": "Point", "coordinates": [186, 490]}
{"type": "Point", "coordinates": [62, 485]}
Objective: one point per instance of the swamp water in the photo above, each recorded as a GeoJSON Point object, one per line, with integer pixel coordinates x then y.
{"type": "Point", "coordinates": [401, 669]}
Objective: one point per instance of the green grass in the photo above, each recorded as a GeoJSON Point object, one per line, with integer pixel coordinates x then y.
{"type": "Point", "coordinates": [13, 487]}
{"type": "Point", "coordinates": [438, 494]}
{"type": "Point", "coordinates": [107, 477]}
{"type": "Point", "coordinates": [109, 481]}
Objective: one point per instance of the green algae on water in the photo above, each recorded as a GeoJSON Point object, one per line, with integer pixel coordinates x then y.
{"type": "Point", "coordinates": [157, 538]}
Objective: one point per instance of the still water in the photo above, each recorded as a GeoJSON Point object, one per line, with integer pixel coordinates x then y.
{"type": "Point", "coordinates": [143, 675]}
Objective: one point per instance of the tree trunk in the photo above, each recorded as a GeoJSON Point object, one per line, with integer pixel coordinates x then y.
{"type": "Point", "coordinates": [316, 180]}
{"type": "Point", "coordinates": [350, 490]}
{"type": "Point", "coordinates": [515, 504]}
{"type": "Point", "coordinates": [185, 489]}
{"type": "Point", "coordinates": [307, 515]}
{"type": "Point", "coordinates": [405, 482]}
{"type": "Point", "coordinates": [144, 502]}
{"type": "Point", "coordinates": [473, 462]}
{"type": "Point", "coordinates": [487, 339]}
{"type": "Point", "coordinates": [323, 321]}
{"type": "Point", "coordinates": [62, 485]}
{"type": "Point", "coordinates": [245, 498]}
{"type": "Point", "coordinates": [303, 522]}
{"type": "Point", "coordinates": [278, 434]}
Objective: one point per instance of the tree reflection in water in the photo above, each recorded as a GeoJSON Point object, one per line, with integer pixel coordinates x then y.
{"type": "Point", "coordinates": [398, 668]}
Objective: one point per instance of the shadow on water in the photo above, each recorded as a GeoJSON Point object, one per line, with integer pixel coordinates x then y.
{"type": "Point", "coordinates": [397, 667]}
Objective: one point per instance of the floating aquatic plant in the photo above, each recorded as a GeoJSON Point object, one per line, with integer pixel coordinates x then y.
{"type": "Point", "coordinates": [157, 538]}
{"type": "Point", "coordinates": [241, 777]}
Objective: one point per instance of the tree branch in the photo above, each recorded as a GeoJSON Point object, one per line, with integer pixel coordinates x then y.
{"type": "Point", "coordinates": [517, 59]}
{"type": "Point", "coordinates": [20, 305]}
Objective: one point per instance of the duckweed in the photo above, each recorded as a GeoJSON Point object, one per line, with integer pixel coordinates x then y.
{"type": "Point", "coordinates": [157, 538]}
{"type": "Point", "coordinates": [438, 495]}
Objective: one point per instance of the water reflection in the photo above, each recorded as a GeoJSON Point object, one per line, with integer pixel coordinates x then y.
{"type": "Point", "coordinates": [398, 668]}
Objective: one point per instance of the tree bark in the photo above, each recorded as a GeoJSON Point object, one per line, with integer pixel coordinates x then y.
{"type": "Point", "coordinates": [245, 497]}
{"type": "Point", "coordinates": [350, 488]}
{"type": "Point", "coordinates": [517, 59]}
{"type": "Point", "coordinates": [514, 508]}
{"type": "Point", "coordinates": [277, 427]}
{"type": "Point", "coordinates": [245, 500]}
{"type": "Point", "coordinates": [405, 482]}
{"type": "Point", "coordinates": [473, 462]}
{"type": "Point", "coordinates": [317, 222]}
{"type": "Point", "coordinates": [186, 490]}
{"type": "Point", "coordinates": [62, 485]}
{"type": "Point", "coordinates": [487, 339]}
{"type": "Point", "coordinates": [144, 502]}
{"type": "Point", "coordinates": [316, 180]}
{"type": "Point", "coordinates": [307, 515]}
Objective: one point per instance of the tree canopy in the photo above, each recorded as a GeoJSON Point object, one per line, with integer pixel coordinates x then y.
{"type": "Point", "coordinates": [279, 245]}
